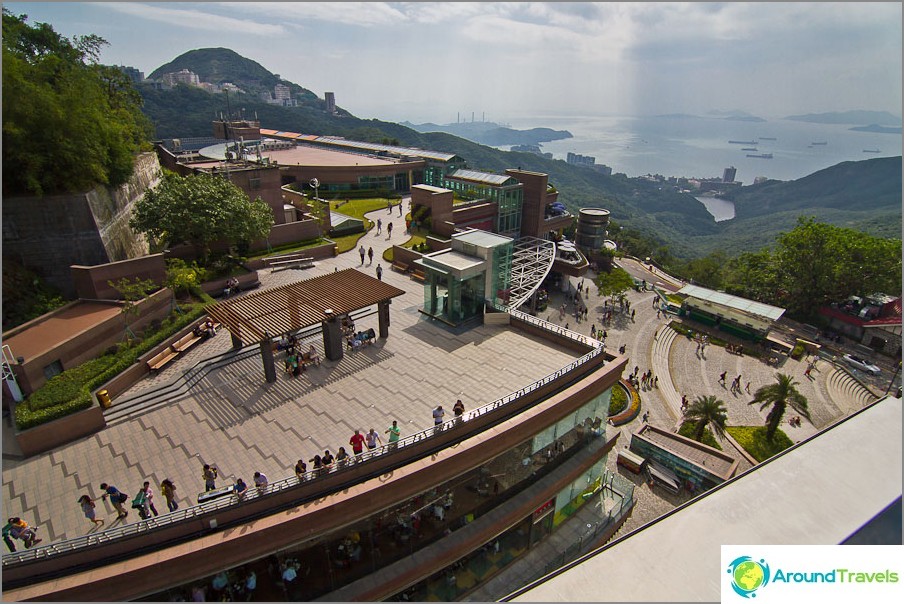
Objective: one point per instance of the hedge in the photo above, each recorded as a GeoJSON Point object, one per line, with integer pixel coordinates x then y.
{"type": "Point", "coordinates": [688, 428]}
{"type": "Point", "coordinates": [70, 391]}
{"type": "Point", "coordinates": [633, 409]}
{"type": "Point", "coordinates": [753, 439]}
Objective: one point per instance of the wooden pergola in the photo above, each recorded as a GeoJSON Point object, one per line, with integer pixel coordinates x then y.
{"type": "Point", "coordinates": [260, 316]}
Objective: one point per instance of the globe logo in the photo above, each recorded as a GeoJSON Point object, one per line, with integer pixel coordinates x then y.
{"type": "Point", "coordinates": [748, 575]}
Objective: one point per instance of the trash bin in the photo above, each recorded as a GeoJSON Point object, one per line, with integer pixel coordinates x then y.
{"type": "Point", "coordinates": [103, 397]}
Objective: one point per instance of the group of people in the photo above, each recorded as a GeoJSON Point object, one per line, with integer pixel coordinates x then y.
{"type": "Point", "coordinates": [296, 360]}
{"type": "Point", "coordinates": [737, 349]}
{"type": "Point", "coordinates": [206, 329]}
{"type": "Point", "coordinates": [143, 502]}
{"type": "Point", "coordinates": [16, 528]}
{"type": "Point", "coordinates": [794, 421]}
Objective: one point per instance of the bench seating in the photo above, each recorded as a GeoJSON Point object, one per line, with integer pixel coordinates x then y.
{"type": "Point", "coordinates": [156, 362]}
{"type": "Point", "coordinates": [400, 266]}
{"type": "Point", "coordinates": [418, 275]}
{"type": "Point", "coordinates": [186, 342]}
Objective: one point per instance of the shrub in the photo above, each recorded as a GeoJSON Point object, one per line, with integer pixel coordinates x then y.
{"type": "Point", "coordinates": [798, 351]}
{"type": "Point", "coordinates": [618, 402]}
{"type": "Point", "coordinates": [633, 409]}
{"type": "Point", "coordinates": [753, 440]}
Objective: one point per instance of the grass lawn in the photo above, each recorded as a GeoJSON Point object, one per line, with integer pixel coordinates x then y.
{"type": "Point", "coordinates": [687, 430]}
{"type": "Point", "coordinates": [753, 439]}
{"type": "Point", "coordinates": [357, 208]}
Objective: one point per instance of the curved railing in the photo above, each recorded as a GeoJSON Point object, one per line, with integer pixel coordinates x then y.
{"type": "Point", "coordinates": [227, 501]}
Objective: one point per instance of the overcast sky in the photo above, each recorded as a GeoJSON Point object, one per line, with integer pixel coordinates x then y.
{"type": "Point", "coordinates": [427, 61]}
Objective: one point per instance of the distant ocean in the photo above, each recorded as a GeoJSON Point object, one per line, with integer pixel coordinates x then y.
{"type": "Point", "coordinates": [698, 146]}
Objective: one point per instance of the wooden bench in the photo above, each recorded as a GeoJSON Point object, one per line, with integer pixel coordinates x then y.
{"type": "Point", "coordinates": [418, 274]}
{"type": "Point", "coordinates": [186, 342]}
{"type": "Point", "coordinates": [400, 266]}
{"type": "Point", "coordinates": [156, 362]}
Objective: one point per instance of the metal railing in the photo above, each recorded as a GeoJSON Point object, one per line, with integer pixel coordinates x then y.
{"type": "Point", "coordinates": [226, 501]}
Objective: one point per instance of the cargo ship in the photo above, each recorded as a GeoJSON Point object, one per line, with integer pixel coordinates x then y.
{"type": "Point", "coordinates": [871, 151]}
{"type": "Point", "coordinates": [760, 155]}
{"type": "Point", "coordinates": [748, 148]}
{"type": "Point", "coordinates": [820, 143]}
{"type": "Point", "coordinates": [742, 142]}
{"type": "Point", "coordinates": [767, 138]}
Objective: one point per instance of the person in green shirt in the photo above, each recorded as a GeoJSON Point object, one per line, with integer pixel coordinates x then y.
{"type": "Point", "coordinates": [6, 538]}
{"type": "Point", "coordinates": [394, 433]}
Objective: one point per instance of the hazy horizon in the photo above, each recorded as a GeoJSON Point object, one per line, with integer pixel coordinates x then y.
{"type": "Point", "coordinates": [428, 62]}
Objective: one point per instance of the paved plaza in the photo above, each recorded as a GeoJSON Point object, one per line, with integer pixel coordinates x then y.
{"type": "Point", "coordinates": [234, 420]}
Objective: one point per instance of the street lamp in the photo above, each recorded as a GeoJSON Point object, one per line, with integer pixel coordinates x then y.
{"type": "Point", "coordinates": [315, 183]}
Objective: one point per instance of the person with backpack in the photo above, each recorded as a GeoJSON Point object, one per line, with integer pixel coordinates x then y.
{"type": "Point", "coordinates": [117, 498]}
{"type": "Point", "coordinates": [20, 530]}
{"type": "Point", "coordinates": [209, 474]}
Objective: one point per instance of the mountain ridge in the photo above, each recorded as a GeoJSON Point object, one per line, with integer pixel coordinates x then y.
{"type": "Point", "coordinates": [670, 218]}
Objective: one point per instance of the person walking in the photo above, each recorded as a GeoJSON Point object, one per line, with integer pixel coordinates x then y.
{"type": "Point", "coordinates": [389, 230]}
{"type": "Point", "coordinates": [379, 225]}
{"type": "Point", "coordinates": [19, 529]}
{"type": "Point", "coordinates": [209, 474]}
{"type": "Point", "coordinates": [372, 438]}
{"type": "Point", "coordinates": [357, 443]}
{"type": "Point", "coordinates": [370, 255]}
{"type": "Point", "coordinates": [394, 433]}
{"type": "Point", "coordinates": [117, 498]}
{"type": "Point", "coordinates": [7, 528]}
{"type": "Point", "coordinates": [722, 377]}
{"type": "Point", "coordinates": [168, 490]}
{"type": "Point", "coordinates": [362, 252]}
{"type": "Point", "coordinates": [146, 487]}
{"type": "Point", "coordinates": [379, 272]}
{"type": "Point", "coordinates": [400, 209]}
{"type": "Point", "coordinates": [88, 508]}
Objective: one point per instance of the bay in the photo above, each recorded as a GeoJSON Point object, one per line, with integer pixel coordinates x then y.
{"type": "Point", "coordinates": [721, 209]}
{"type": "Point", "coordinates": [698, 147]}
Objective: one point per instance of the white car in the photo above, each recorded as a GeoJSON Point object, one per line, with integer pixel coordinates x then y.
{"type": "Point", "coordinates": [861, 364]}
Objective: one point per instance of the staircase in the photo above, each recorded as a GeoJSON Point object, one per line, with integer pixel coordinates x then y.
{"type": "Point", "coordinates": [847, 392]}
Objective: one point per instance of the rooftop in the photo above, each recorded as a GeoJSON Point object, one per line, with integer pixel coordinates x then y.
{"type": "Point", "coordinates": [715, 461]}
{"type": "Point", "coordinates": [70, 321]}
{"type": "Point", "coordinates": [772, 313]}
{"type": "Point", "coordinates": [482, 177]}
{"type": "Point", "coordinates": [483, 239]}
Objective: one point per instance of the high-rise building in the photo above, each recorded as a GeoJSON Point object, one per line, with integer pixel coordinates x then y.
{"type": "Point", "coordinates": [132, 73]}
{"type": "Point", "coordinates": [330, 99]}
{"type": "Point", "coordinates": [281, 92]}
{"type": "Point", "coordinates": [183, 76]}
{"type": "Point", "coordinates": [728, 175]}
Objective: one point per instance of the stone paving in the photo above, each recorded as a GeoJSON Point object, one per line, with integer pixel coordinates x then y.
{"type": "Point", "coordinates": [231, 419]}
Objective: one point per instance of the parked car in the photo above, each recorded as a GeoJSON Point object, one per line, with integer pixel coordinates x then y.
{"type": "Point", "coordinates": [861, 364]}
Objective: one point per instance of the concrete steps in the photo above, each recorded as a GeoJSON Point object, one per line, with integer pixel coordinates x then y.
{"type": "Point", "coordinates": [659, 354]}
{"type": "Point", "coordinates": [847, 392]}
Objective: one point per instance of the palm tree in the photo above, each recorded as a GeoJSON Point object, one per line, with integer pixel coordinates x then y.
{"type": "Point", "coordinates": [780, 394]}
{"type": "Point", "coordinates": [707, 410]}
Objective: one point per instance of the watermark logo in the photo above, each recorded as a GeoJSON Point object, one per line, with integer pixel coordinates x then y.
{"type": "Point", "coordinates": [748, 575]}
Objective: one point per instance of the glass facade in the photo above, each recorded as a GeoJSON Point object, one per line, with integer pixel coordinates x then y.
{"type": "Point", "coordinates": [329, 562]}
{"type": "Point", "coordinates": [451, 300]}
{"type": "Point", "coordinates": [508, 218]}
{"type": "Point", "coordinates": [501, 277]}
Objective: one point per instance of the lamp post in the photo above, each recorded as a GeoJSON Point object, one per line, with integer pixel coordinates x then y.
{"type": "Point", "coordinates": [315, 183]}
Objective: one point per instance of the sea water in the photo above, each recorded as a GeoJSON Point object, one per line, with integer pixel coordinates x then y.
{"type": "Point", "coordinates": [698, 147]}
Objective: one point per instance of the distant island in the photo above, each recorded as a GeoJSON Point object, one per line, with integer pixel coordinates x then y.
{"type": "Point", "coordinates": [877, 128]}
{"type": "Point", "coordinates": [493, 134]}
{"type": "Point", "coordinates": [883, 118]}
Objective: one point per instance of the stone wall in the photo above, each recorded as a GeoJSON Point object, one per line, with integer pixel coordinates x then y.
{"type": "Point", "coordinates": [48, 234]}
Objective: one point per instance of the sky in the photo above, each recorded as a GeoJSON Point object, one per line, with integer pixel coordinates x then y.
{"type": "Point", "coordinates": [430, 61]}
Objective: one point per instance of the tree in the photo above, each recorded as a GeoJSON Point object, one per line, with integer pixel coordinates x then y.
{"type": "Point", "coordinates": [707, 411]}
{"type": "Point", "coordinates": [200, 209]}
{"type": "Point", "coordinates": [132, 292]}
{"type": "Point", "coordinates": [615, 283]}
{"type": "Point", "coordinates": [69, 124]}
{"type": "Point", "coordinates": [780, 395]}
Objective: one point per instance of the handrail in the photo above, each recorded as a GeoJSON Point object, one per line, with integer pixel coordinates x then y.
{"type": "Point", "coordinates": [188, 513]}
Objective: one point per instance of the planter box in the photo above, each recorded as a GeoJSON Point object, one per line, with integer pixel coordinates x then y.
{"type": "Point", "coordinates": [61, 431]}
{"type": "Point", "coordinates": [215, 288]}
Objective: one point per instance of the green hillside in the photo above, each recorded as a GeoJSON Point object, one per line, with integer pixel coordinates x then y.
{"type": "Point", "coordinates": [864, 195]}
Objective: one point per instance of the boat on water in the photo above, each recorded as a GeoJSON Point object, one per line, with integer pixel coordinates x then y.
{"type": "Point", "coordinates": [767, 138]}
{"type": "Point", "coordinates": [742, 142]}
{"type": "Point", "coordinates": [819, 143]}
{"type": "Point", "coordinates": [871, 151]}
{"type": "Point", "coordinates": [760, 155]}
{"type": "Point", "coordinates": [748, 148]}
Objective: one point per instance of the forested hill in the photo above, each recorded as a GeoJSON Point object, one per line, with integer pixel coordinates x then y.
{"type": "Point", "coordinates": [870, 185]}
{"type": "Point", "coordinates": [220, 65]}
{"type": "Point", "coordinates": [862, 195]}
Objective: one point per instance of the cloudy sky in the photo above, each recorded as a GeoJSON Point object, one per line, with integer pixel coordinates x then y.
{"type": "Point", "coordinates": [425, 61]}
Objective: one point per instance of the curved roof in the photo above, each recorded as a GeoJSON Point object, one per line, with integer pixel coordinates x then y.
{"type": "Point", "coordinates": [482, 177]}
{"type": "Point", "coordinates": [766, 311]}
